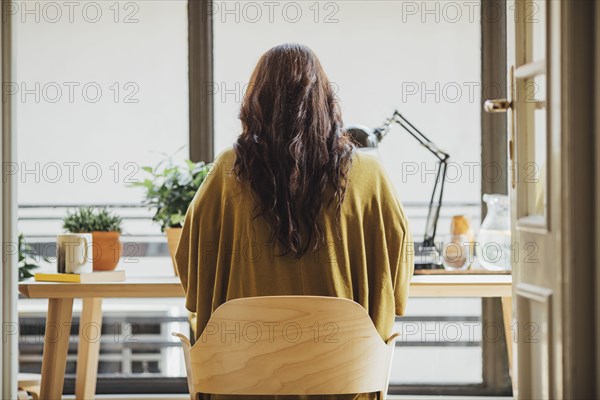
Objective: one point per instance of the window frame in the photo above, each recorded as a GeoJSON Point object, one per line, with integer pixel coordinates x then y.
{"type": "Point", "coordinates": [201, 99]}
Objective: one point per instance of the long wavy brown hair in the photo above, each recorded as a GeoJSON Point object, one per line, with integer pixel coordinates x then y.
{"type": "Point", "coordinates": [292, 150]}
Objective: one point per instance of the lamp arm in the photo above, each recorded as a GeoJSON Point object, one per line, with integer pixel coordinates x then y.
{"type": "Point", "coordinates": [419, 136]}
{"type": "Point", "coordinates": [435, 204]}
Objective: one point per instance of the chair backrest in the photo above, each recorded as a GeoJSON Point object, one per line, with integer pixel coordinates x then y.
{"type": "Point", "coordinates": [289, 345]}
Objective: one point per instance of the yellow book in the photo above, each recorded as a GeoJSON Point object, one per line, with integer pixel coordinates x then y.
{"type": "Point", "coordinates": [92, 277]}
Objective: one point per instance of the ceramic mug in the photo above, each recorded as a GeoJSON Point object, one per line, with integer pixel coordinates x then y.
{"type": "Point", "coordinates": [74, 253]}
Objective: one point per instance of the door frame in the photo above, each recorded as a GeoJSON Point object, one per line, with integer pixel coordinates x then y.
{"type": "Point", "coordinates": [580, 100]}
{"type": "Point", "coordinates": [597, 194]}
{"type": "Point", "coordinates": [494, 157]}
{"type": "Point", "coordinates": [8, 217]}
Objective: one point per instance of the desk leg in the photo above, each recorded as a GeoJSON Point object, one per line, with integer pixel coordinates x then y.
{"type": "Point", "coordinates": [56, 347]}
{"type": "Point", "coordinates": [90, 329]}
{"type": "Point", "coordinates": [507, 317]}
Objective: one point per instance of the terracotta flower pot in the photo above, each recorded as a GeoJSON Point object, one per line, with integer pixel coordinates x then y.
{"type": "Point", "coordinates": [107, 250]}
{"type": "Point", "coordinates": [173, 236]}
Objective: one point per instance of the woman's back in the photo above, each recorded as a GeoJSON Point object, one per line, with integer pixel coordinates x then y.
{"type": "Point", "coordinates": [293, 208]}
{"type": "Point", "coordinates": [226, 253]}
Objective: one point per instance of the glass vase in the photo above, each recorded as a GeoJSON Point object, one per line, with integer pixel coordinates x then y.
{"type": "Point", "coordinates": [494, 239]}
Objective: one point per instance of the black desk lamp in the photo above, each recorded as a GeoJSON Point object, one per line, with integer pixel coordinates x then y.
{"type": "Point", "coordinates": [426, 253]}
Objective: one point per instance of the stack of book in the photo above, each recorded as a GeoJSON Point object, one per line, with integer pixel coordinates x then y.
{"type": "Point", "coordinates": [91, 277]}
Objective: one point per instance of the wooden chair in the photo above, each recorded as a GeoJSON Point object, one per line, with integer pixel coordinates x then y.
{"type": "Point", "coordinates": [289, 345]}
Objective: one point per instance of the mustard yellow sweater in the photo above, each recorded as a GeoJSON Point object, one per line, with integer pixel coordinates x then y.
{"type": "Point", "coordinates": [224, 253]}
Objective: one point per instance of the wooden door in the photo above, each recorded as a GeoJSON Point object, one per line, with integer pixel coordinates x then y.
{"type": "Point", "coordinates": [534, 148]}
{"type": "Point", "coordinates": [551, 120]}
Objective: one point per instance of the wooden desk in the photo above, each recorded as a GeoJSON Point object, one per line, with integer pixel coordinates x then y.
{"type": "Point", "coordinates": [60, 313]}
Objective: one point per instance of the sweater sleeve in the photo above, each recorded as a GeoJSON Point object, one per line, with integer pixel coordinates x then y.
{"type": "Point", "coordinates": [195, 256]}
{"type": "Point", "coordinates": [398, 237]}
{"type": "Point", "coordinates": [404, 269]}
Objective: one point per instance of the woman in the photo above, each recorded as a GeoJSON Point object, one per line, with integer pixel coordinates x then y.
{"type": "Point", "coordinates": [293, 208]}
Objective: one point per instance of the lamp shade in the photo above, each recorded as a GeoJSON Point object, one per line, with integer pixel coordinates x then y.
{"type": "Point", "coordinates": [363, 136]}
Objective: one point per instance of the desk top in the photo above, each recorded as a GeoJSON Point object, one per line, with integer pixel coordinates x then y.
{"type": "Point", "coordinates": [132, 287]}
{"type": "Point", "coordinates": [461, 286]}
{"type": "Point", "coordinates": [157, 287]}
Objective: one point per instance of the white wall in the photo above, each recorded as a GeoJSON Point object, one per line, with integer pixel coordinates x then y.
{"type": "Point", "coordinates": [143, 44]}
{"type": "Point", "coordinates": [420, 57]}
{"type": "Point", "coordinates": [377, 53]}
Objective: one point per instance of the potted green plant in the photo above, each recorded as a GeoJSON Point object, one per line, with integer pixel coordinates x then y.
{"type": "Point", "coordinates": [170, 189]}
{"type": "Point", "coordinates": [105, 228]}
{"type": "Point", "coordinates": [26, 259]}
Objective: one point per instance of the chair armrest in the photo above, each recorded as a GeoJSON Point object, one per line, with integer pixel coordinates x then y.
{"type": "Point", "coordinates": [187, 346]}
{"type": "Point", "coordinates": [184, 340]}
{"type": "Point", "coordinates": [392, 339]}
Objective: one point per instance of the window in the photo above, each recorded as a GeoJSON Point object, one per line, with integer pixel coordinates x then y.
{"type": "Point", "coordinates": [101, 90]}
{"type": "Point", "coordinates": [98, 97]}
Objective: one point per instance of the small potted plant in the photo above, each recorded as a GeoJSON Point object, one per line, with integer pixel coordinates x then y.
{"type": "Point", "coordinates": [27, 261]}
{"type": "Point", "coordinates": [170, 189]}
{"type": "Point", "coordinates": [105, 228]}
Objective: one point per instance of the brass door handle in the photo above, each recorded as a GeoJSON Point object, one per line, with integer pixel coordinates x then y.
{"type": "Point", "coordinates": [497, 106]}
